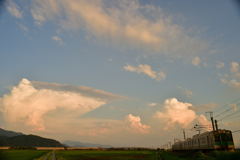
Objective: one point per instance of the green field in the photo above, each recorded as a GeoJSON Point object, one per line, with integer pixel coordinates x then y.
{"type": "Point", "coordinates": [213, 155]}
{"type": "Point", "coordinates": [106, 155]}
{"type": "Point", "coordinates": [20, 154]}
{"type": "Point", "coordinates": [115, 155]}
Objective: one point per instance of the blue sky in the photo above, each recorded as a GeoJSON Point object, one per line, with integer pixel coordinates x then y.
{"type": "Point", "coordinates": [144, 52]}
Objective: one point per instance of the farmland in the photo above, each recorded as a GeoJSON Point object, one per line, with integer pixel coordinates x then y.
{"type": "Point", "coordinates": [21, 154]}
{"type": "Point", "coordinates": [115, 155]}
{"type": "Point", "coordinates": [106, 155]}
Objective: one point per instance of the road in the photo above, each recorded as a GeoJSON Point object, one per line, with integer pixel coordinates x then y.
{"type": "Point", "coordinates": [49, 156]}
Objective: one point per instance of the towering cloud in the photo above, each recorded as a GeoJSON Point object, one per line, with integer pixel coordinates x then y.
{"type": "Point", "coordinates": [176, 112]}
{"type": "Point", "coordinates": [29, 102]}
{"type": "Point", "coordinates": [135, 124]}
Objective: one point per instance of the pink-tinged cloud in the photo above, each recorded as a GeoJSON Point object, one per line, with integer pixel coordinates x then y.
{"type": "Point", "coordinates": [147, 70]}
{"type": "Point", "coordinates": [134, 122]}
{"type": "Point", "coordinates": [130, 22]}
{"type": "Point", "coordinates": [28, 105]}
{"type": "Point", "coordinates": [179, 113]}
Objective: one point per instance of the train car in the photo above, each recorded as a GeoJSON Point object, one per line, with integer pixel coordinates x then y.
{"type": "Point", "coordinates": [213, 140]}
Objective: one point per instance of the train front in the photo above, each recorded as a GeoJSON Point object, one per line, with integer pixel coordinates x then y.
{"type": "Point", "coordinates": [223, 140]}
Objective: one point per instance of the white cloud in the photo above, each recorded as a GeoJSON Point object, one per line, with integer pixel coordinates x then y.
{"type": "Point", "coordinates": [135, 124]}
{"type": "Point", "coordinates": [188, 93]}
{"type": "Point", "coordinates": [23, 27]}
{"type": "Point", "coordinates": [196, 61]}
{"type": "Point", "coordinates": [232, 83]}
{"type": "Point", "coordinates": [152, 104]}
{"type": "Point", "coordinates": [180, 113]}
{"type": "Point", "coordinates": [57, 39]}
{"type": "Point", "coordinates": [234, 67]}
{"type": "Point", "coordinates": [135, 24]}
{"type": "Point", "coordinates": [220, 65]}
{"type": "Point", "coordinates": [30, 101]}
{"type": "Point", "coordinates": [14, 9]}
{"type": "Point", "coordinates": [204, 107]}
{"type": "Point", "coordinates": [232, 79]}
{"type": "Point", "coordinates": [147, 70]}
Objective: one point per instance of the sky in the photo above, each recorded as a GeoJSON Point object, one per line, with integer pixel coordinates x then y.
{"type": "Point", "coordinates": [123, 73]}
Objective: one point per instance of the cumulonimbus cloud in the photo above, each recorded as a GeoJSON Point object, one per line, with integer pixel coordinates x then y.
{"type": "Point", "coordinates": [179, 113]}
{"type": "Point", "coordinates": [130, 22]}
{"type": "Point", "coordinates": [147, 70]}
{"type": "Point", "coordinates": [30, 101]}
{"type": "Point", "coordinates": [134, 123]}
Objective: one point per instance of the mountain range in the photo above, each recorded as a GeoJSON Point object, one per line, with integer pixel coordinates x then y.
{"type": "Point", "coordinates": [84, 144]}
{"type": "Point", "coordinates": [17, 139]}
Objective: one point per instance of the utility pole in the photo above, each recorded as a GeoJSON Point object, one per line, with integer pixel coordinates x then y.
{"type": "Point", "coordinates": [216, 124]}
{"type": "Point", "coordinates": [211, 117]}
{"type": "Point", "coordinates": [184, 134]}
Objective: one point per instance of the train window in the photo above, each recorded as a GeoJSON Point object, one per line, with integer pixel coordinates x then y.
{"type": "Point", "coordinates": [217, 137]}
{"type": "Point", "coordinates": [226, 137]}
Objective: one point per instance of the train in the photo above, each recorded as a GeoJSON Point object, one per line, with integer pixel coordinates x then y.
{"type": "Point", "coordinates": [220, 139]}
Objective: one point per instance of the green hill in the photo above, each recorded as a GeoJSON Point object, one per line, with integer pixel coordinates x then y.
{"type": "Point", "coordinates": [20, 140]}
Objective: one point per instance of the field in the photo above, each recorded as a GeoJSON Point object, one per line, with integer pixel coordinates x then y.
{"type": "Point", "coordinates": [106, 155]}
{"type": "Point", "coordinates": [115, 155]}
{"type": "Point", "coordinates": [20, 154]}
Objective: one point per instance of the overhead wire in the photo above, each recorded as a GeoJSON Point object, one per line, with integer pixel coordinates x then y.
{"type": "Point", "coordinates": [229, 115]}
{"type": "Point", "coordinates": [227, 110]}
{"type": "Point", "coordinates": [236, 131]}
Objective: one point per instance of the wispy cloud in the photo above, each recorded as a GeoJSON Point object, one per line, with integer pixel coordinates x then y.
{"type": "Point", "coordinates": [135, 124]}
{"type": "Point", "coordinates": [153, 104]}
{"type": "Point", "coordinates": [232, 79]}
{"type": "Point", "coordinates": [30, 101]}
{"type": "Point", "coordinates": [234, 67]}
{"type": "Point", "coordinates": [135, 24]}
{"type": "Point", "coordinates": [188, 93]}
{"type": "Point", "coordinates": [220, 65]}
{"type": "Point", "coordinates": [58, 39]}
{"type": "Point", "coordinates": [23, 27]}
{"type": "Point", "coordinates": [147, 70]}
{"type": "Point", "coordinates": [196, 61]}
{"type": "Point", "coordinates": [14, 9]}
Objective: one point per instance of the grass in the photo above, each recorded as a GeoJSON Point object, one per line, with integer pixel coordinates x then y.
{"type": "Point", "coordinates": [214, 155]}
{"type": "Point", "coordinates": [20, 154]}
{"type": "Point", "coordinates": [116, 155]}
{"type": "Point", "coordinates": [106, 155]}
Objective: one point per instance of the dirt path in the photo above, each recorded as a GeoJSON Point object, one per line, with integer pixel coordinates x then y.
{"type": "Point", "coordinates": [49, 156]}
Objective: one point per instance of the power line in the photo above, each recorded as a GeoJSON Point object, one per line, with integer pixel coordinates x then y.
{"type": "Point", "coordinates": [236, 131]}
{"type": "Point", "coordinates": [223, 106]}
{"type": "Point", "coordinates": [227, 110]}
{"type": "Point", "coordinates": [234, 117]}
{"type": "Point", "coordinates": [229, 115]}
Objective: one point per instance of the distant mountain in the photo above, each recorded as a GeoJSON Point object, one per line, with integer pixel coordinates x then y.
{"type": "Point", "coordinates": [83, 144]}
{"type": "Point", "coordinates": [15, 139]}
{"type": "Point", "coordinates": [6, 133]}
